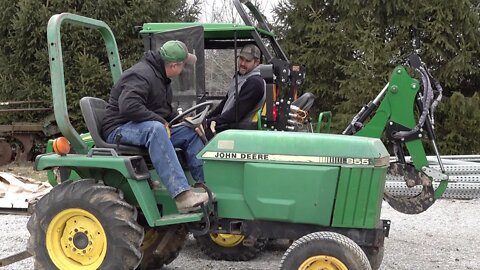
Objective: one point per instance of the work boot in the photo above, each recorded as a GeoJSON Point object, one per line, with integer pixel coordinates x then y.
{"type": "Point", "coordinates": [201, 187]}
{"type": "Point", "coordinates": [198, 184]}
{"type": "Point", "coordinates": [189, 201]}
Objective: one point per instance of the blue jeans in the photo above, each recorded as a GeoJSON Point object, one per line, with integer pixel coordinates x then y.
{"type": "Point", "coordinates": [153, 136]}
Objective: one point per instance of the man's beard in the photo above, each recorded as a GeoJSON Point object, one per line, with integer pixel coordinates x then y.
{"type": "Point", "coordinates": [242, 70]}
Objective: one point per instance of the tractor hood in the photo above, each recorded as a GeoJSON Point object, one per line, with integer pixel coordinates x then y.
{"type": "Point", "coordinates": [296, 148]}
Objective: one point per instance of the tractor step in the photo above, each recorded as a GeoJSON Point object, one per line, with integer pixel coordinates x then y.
{"type": "Point", "coordinates": [178, 218]}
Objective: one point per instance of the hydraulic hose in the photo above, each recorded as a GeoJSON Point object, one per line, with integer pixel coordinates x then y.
{"type": "Point", "coordinates": [435, 103]}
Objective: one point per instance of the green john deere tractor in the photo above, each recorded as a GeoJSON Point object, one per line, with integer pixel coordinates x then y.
{"type": "Point", "coordinates": [390, 115]}
{"type": "Point", "coordinates": [324, 191]}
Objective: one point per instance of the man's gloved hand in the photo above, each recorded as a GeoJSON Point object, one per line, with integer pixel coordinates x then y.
{"type": "Point", "coordinates": [212, 126]}
{"type": "Point", "coordinates": [207, 125]}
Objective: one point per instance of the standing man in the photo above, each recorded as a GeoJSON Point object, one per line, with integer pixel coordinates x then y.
{"type": "Point", "coordinates": [251, 94]}
{"type": "Point", "coordinates": [138, 113]}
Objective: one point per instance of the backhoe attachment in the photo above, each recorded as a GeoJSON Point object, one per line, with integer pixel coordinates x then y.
{"type": "Point", "coordinates": [389, 114]}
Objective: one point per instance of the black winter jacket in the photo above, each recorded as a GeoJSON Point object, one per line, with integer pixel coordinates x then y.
{"type": "Point", "coordinates": [142, 93]}
{"type": "Point", "coordinates": [249, 96]}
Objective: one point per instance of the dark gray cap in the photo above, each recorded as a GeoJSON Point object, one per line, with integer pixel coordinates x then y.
{"type": "Point", "coordinates": [249, 52]}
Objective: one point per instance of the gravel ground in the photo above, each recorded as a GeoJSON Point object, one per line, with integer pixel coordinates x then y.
{"type": "Point", "coordinates": [446, 236]}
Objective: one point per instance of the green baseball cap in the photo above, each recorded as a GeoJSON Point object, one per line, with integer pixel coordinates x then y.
{"type": "Point", "coordinates": [175, 51]}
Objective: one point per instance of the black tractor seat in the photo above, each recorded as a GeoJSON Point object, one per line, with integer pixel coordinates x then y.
{"type": "Point", "coordinates": [305, 101]}
{"type": "Point", "coordinates": [93, 110]}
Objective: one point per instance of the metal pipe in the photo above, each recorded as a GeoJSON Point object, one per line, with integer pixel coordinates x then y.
{"type": "Point", "coordinates": [236, 74]}
{"type": "Point", "coordinates": [6, 103]}
{"type": "Point", "coordinates": [463, 157]}
{"type": "Point", "coordinates": [440, 163]}
{"type": "Point", "coordinates": [26, 110]}
{"type": "Point", "coordinates": [14, 258]}
{"type": "Point", "coordinates": [452, 161]}
{"type": "Point", "coordinates": [380, 96]}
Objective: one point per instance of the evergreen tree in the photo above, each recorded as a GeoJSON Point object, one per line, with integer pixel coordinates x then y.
{"type": "Point", "coordinates": [24, 65]}
{"type": "Point", "coordinates": [458, 122]}
{"type": "Point", "coordinates": [350, 48]}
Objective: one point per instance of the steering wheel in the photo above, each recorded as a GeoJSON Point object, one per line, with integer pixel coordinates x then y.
{"type": "Point", "coordinates": [194, 121]}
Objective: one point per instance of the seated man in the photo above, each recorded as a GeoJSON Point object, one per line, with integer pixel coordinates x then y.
{"type": "Point", "coordinates": [251, 95]}
{"type": "Point", "coordinates": [138, 113]}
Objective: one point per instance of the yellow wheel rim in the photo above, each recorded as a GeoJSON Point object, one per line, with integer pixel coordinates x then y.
{"type": "Point", "coordinates": [76, 240]}
{"type": "Point", "coordinates": [322, 263]}
{"type": "Point", "coordinates": [227, 240]}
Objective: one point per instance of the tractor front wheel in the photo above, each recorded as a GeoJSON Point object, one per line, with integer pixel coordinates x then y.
{"type": "Point", "coordinates": [229, 247]}
{"type": "Point", "coordinates": [84, 225]}
{"type": "Point", "coordinates": [324, 250]}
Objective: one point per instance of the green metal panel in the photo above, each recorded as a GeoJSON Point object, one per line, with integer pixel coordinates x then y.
{"type": "Point", "coordinates": [48, 161]}
{"type": "Point", "coordinates": [281, 192]}
{"type": "Point", "coordinates": [291, 193]}
{"type": "Point", "coordinates": [146, 200]}
{"type": "Point", "coordinates": [57, 73]}
{"type": "Point", "coordinates": [359, 197]}
{"type": "Point", "coordinates": [225, 179]}
{"type": "Point", "coordinates": [282, 176]}
{"type": "Point", "coordinates": [211, 30]}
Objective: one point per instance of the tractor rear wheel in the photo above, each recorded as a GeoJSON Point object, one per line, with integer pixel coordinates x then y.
{"type": "Point", "coordinates": [229, 247]}
{"type": "Point", "coordinates": [84, 225]}
{"type": "Point", "coordinates": [324, 250]}
{"type": "Point", "coordinates": [161, 246]}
